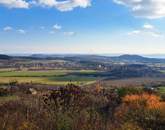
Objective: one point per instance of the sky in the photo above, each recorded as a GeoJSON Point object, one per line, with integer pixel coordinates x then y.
{"type": "Point", "coordinates": [82, 26]}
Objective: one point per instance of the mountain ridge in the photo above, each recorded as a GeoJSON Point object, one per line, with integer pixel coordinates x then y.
{"type": "Point", "coordinates": [82, 57]}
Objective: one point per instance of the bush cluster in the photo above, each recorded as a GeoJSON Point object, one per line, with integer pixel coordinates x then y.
{"type": "Point", "coordinates": [74, 108]}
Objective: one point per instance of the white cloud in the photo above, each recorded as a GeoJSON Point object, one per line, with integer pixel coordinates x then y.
{"type": "Point", "coordinates": [148, 26]}
{"type": "Point", "coordinates": [62, 5]}
{"type": "Point", "coordinates": [7, 28]}
{"type": "Point", "coordinates": [57, 27]}
{"type": "Point", "coordinates": [21, 31]}
{"type": "Point", "coordinates": [47, 2]}
{"type": "Point", "coordinates": [14, 3]}
{"type": "Point", "coordinates": [65, 5]}
{"type": "Point", "coordinates": [150, 9]}
{"type": "Point", "coordinates": [146, 30]}
{"type": "Point", "coordinates": [134, 32]}
{"type": "Point", "coordinates": [69, 33]}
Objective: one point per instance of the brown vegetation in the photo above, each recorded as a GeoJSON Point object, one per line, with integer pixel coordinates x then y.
{"type": "Point", "coordinates": [75, 108]}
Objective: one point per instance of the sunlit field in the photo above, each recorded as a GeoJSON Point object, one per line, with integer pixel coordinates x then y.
{"type": "Point", "coordinates": [51, 77]}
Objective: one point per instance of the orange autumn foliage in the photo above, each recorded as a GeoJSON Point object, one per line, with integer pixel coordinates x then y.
{"type": "Point", "coordinates": [98, 88]}
{"type": "Point", "coordinates": [148, 101]}
{"type": "Point", "coordinates": [145, 110]}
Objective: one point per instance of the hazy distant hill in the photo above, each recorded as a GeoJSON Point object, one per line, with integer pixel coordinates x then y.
{"type": "Point", "coordinates": [97, 58]}
{"type": "Point", "coordinates": [137, 58]}
{"type": "Point", "coordinates": [129, 59]}
{"type": "Point", "coordinates": [4, 57]}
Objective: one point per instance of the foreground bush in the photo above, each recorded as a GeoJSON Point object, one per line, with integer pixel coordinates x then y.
{"type": "Point", "coordinates": [4, 92]}
{"type": "Point", "coordinates": [74, 108]}
{"type": "Point", "coordinates": [146, 110]}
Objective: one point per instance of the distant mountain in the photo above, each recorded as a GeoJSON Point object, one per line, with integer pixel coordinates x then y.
{"type": "Point", "coordinates": [128, 59]}
{"type": "Point", "coordinates": [5, 57]}
{"type": "Point", "coordinates": [137, 58]}
{"type": "Point", "coordinates": [73, 57]}
{"type": "Point", "coordinates": [132, 57]}
{"type": "Point", "coordinates": [40, 56]}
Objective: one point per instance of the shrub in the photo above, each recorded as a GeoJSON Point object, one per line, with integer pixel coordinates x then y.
{"type": "Point", "coordinates": [130, 126]}
{"type": "Point", "coordinates": [146, 110]}
{"type": "Point", "coordinates": [4, 92]}
{"type": "Point", "coordinates": [128, 91]}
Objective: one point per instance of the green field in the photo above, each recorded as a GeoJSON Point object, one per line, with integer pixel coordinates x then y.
{"type": "Point", "coordinates": [161, 90]}
{"type": "Point", "coordinates": [51, 77]}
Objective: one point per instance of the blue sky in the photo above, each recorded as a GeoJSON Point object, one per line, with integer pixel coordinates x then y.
{"type": "Point", "coordinates": [82, 26]}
